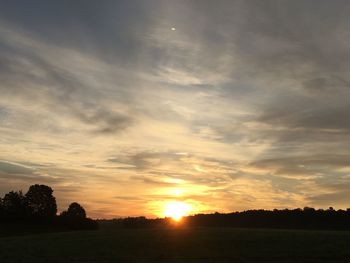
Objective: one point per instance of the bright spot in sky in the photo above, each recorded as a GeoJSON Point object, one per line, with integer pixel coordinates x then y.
{"type": "Point", "coordinates": [199, 169]}
{"type": "Point", "coordinates": [176, 210]}
{"type": "Point", "coordinates": [177, 192]}
{"type": "Point", "coordinates": [173, 28]}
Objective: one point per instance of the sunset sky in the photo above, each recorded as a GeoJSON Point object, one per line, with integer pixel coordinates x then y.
{"type": "Point", "coordinates": [127, 106]}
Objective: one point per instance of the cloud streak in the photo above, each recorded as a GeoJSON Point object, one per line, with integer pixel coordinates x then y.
{"type": "Point", "coordinates": [244, 105]}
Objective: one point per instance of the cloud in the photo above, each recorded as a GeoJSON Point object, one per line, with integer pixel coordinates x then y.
{"type": "Point", "coordinates": [145, 160]}
{"type": "Point", "coordinates": [12, 168]}
{"type": "Point", "coordinates": [151, 180]}
{"type": "Point", "coordinates": [305, 162]}
{"type": "Point", "coordinates": [16, 176]}
{"type": "Point", "coordinates": [245, 102]}
{"type": "Point", "coordinates": [50, 81]}
{"type": "Point", "coordinates": [341, 198]}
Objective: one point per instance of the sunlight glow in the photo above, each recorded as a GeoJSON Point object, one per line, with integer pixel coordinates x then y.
{"type": "Point", "coordinates": [176, 210]}
{"type": "Point", "coordinates": [177, 192]}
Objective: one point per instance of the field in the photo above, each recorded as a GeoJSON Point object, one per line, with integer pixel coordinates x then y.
{"type": "Point", "coordinates": [178, 245]}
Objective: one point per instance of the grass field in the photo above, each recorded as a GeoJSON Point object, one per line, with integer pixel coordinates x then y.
{"type": "Point", "coordinates": [178, 245]}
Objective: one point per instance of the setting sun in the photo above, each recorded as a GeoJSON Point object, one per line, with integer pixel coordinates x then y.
{"type": "Point", "coordinates": [176, 210]}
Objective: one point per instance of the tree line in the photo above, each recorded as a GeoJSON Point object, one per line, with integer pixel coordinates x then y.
{"type": "Point", "coordinates": [38, 206]}
{"type": "Point", "coordinates": [306, 218]}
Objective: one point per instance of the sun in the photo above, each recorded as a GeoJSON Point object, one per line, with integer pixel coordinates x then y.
{"type": "Point", "coordinates": [176, 210]}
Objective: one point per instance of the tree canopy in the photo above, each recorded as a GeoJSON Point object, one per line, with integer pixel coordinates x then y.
{"type": "Point", "coordinates": [14, 206]}
{"type": "Point", "coordinates": [75, 210]}
{"type": "Point", "coordinates": [41, 202]}
{"type": "Point", "coordinates": [38, 206]}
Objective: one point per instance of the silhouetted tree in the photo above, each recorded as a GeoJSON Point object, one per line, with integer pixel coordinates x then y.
{"type": "Point", "coordinates": [38, 205]}
{"type": "Point", "coordinates": [75, 218]}
{"type": "Point", "coordinates": [1, 210]}
{"type": "Point", "coordinates": [14, 206]}
{"type": "Point", "coordinates": [41, 203]}
{"type": "Point", "coordinates": [309, 209]}
{"type": "Point", "coordinates": [76, 211]}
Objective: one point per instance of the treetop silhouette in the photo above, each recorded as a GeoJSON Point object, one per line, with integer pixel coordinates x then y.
{"type": "Point", "coordinates": [39, 205]}
{"type": "Point", "coordinates": [40, 202]}
{"type": "Point", "coordinates": [75, 210]}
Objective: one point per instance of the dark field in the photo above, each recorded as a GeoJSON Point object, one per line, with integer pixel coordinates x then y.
{"type": "Point", "coordinates": [179, 245]}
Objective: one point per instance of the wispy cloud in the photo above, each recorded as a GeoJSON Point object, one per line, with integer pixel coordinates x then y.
{"type": "Point", "coordinates": [244, 105]}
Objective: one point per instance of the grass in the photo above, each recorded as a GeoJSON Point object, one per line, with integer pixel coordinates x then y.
{"type": "Point", "coordinates": [178, 245]}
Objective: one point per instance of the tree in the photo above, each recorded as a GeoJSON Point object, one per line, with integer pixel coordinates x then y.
{"type": "Point", "coordinates": [14, 206]}
{"type": "Point", "coordinates": [1, 210]}
{"type": "Point", "coordinates": [75, 218]}
{"type": "Point", "coordinates": [41, 202]}
{"type": "Point", "coordinates": [75, 211]}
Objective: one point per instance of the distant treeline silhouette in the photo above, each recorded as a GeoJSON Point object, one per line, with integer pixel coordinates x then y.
{"type": "Point", "coordinates": [38, 206]}
{"type": "Point", "coordinates": [307, 218]}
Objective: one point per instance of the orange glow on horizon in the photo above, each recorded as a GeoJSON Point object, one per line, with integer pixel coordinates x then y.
{"type": "Point", "coordinates": [176, 210]}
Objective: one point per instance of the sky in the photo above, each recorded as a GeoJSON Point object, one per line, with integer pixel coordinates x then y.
{"type": "Point", "coordinates": [127, 106]}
